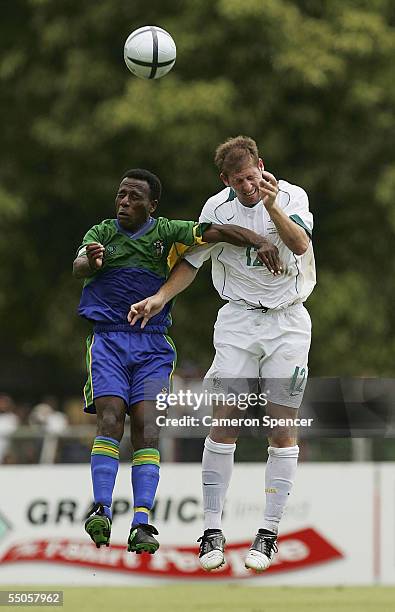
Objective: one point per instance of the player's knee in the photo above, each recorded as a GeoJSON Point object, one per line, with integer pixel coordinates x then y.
{"type": "Point", "coordinates": [145, 439]}
{"type": "Point", "coordinates": [144, 429]}
{"type": "Point", "coordinates": [282, 439]}
{"type": "Point", "coordinates": [222, 437]}
{"type": "Point", "coordinates": [110, 423]}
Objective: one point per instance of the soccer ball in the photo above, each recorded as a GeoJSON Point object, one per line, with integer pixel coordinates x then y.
{"type": "Point", "coordinates": [150, 52]}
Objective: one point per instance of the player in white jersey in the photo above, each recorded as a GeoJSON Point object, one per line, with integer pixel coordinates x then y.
{"type": "Point", "coordinates": [262, 333]}
{"type": "Point", "coordinates": [238, 275]}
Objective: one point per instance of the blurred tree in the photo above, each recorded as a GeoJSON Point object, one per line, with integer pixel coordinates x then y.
{"type": "Point", "coordinates": [310, 80]}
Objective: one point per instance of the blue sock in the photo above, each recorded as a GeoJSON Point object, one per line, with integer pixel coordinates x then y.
{"type": "Point", "coordinates": [145, 478]}
{"type": "Point", "coordinates": [104, 468]}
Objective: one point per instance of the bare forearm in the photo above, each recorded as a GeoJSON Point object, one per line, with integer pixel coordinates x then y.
{"type": "Point", "coordinates": [81, 267]}
{"type": "Point", "coordinates": [233, 234]}
{"type": "Point", "coordinates": [293, 236]}
{"type": "Point", "coordinates": [180, 278]}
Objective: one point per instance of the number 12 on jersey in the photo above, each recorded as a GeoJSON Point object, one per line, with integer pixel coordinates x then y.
{"type": "Point", "coordinates": [298, 382]}
{"type": "Point", "coordinates": [251, 252]}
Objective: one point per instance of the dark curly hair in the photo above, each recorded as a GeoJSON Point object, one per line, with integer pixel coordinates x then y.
{"type": "Point", "coordinates": [145, 175]}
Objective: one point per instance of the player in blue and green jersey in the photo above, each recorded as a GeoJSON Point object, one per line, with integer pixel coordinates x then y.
{"type": "Point", "coordinates": [123, 261]}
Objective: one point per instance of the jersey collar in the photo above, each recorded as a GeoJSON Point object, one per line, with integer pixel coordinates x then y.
{"type": "Point", "coordinates": [253, 208]}
{"type": "Point", "coordinates": [140, 232]}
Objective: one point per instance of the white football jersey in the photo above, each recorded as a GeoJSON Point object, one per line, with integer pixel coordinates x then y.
{"type": "Point", "coordinates": [237, 273]}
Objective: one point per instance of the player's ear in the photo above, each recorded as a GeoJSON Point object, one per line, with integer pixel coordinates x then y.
{"type": "Point", "coordinates": [224, 179]}
{"type": "Point", "coordinates": [261, 165]}
{"type": "Point", "coordinates": [153, 205]}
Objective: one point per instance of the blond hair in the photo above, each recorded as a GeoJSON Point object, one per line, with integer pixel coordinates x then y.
{"type": "Point", "coordinates": [234, 153]}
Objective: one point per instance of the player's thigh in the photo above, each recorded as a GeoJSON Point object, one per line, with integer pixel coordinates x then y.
{"type": "Point", "coordinates": [108, 375]}
{"type": "Point", "coordinates": [233, 372]}
{"type": "Point", "coordinates": [232, 377]}
{"type": "Point", "coordinates": [235, 327]}
{"type": "Point", "coordinates": [154, 361]}
{"type": "Point", "coordinates": [235, 368]}
{"type": "Point", "coordinates": [284, 369]}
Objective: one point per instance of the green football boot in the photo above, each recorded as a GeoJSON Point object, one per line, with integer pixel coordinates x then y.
{"type": "Point", "coordinates": [98, 526]}
{"type": "Point", "coordinates": [141, 539]}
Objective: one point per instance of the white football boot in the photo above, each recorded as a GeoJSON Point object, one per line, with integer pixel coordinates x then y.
{"type": "Point", "coordinates": [262, 551]}
{"type": "Point", "coordinates": [211, 553]}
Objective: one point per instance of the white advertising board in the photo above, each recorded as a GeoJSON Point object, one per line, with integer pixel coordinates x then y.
{"type": "Point", "coordinates": [385, 523]}
{"type": "Point", "coordinates": [326, 534]}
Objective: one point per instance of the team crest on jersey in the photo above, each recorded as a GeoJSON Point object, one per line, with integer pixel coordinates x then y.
{"type": "Point", "coordinates": [110, 249]}
{"type": "Point", "coordinates": [159, 247]}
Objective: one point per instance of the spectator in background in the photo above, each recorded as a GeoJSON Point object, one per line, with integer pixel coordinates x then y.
{"type": "Point", "coordinates": [76, 449]}
{"type": "Point", "coordinates": [50, 420]}
{"type": "Point", "coordinates": [8, 424]}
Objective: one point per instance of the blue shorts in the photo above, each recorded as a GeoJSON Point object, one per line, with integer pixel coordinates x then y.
{"type": "Point", "coordinates": [133, 366]}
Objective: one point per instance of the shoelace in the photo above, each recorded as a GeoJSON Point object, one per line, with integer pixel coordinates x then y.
{"type": "Point", "coordinates": [269, 543]}
{"type": "Point", "coordinates": [207, 542]}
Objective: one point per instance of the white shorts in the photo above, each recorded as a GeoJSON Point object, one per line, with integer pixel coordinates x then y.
{"type": "Point", "coordinates": [272, 347]}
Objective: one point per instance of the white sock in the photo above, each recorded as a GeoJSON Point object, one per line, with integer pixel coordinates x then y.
{"type": "Point", "coordinates": [279, 478]}
{"type": "Point", "coordinates": [217, 466]}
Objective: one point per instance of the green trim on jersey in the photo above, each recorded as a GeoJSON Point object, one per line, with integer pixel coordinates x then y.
{"type": "Point", "coordinates": [173, 346]}
{"type": "Point", "coordinates": [88, 388]}
{"type": "Point", "coordinates": [232, 195]}
{"type": "Point", "coordinates": [296, 219]}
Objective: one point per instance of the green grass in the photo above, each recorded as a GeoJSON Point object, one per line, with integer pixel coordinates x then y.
{"type": "Point", "coordinates": [205, 597]}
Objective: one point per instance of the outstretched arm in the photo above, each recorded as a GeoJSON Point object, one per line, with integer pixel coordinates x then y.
{"type": "Point", "coordinates": [184, 273]}
{"type": "Point", "coordinates": [233, 234]}
{"type": "Point", "coordinates": [180, 278]}
{"type": "Point", "coordinates": [241, 236]}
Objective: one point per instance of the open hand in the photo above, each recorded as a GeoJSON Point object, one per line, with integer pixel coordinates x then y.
{"type": "Point", "coordinates": [268, 189]}
{"type": "Point", "coordinates": [146, 309]}
{"type": "Point", "coordinates": [268, 255]}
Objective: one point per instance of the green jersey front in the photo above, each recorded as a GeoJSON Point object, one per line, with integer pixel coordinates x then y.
{"type": "Point", "coordinates": [134, 267]}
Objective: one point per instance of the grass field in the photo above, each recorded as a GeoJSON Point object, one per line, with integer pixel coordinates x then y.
{"type": "Point", "coordinates": [222, 598]}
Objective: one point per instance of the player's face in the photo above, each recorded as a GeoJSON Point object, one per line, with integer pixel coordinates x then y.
{"type": "Point", "coordinates": [245, 182]}
{"type": "Point", "coordinates": [133, 203]}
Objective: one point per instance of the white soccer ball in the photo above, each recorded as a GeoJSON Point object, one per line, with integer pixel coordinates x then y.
{"type": "Point", "coordinates": [150, 52]}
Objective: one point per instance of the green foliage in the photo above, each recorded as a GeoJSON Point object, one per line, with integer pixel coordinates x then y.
{"type": "Point", "coordinates": [311, 80]}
